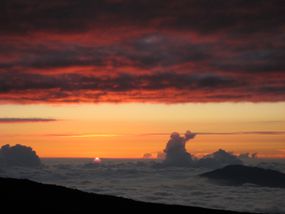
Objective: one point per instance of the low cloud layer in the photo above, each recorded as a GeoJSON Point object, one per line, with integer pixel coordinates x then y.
{"type": "Point", "coordinates": [141, 181]}
{"type": "Point", "coordinates": [18, 156]}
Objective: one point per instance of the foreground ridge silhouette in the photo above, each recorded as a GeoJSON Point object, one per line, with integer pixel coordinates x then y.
{"type": "Point", "coordinates": [30, 193]}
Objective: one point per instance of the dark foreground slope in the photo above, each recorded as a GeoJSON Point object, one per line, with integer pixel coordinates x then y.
{"type": "Point", "coordinates": [28, 194]}
{"type": "Point", "coordinates": [239, 174]}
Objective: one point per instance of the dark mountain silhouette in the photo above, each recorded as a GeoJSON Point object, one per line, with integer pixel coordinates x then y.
{"type": "Point", "coordinates": [26, 194]}
{"type": "Point", "coordinates": [240, 174]}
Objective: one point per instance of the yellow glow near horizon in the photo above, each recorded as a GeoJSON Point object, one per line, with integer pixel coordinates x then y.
{"type": "Point", "coordinates": [130, 130]}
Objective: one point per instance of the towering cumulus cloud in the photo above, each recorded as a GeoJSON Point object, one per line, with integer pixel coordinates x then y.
{"type": "Point", "coordinates": [18, 155]}
{"type": "Point", "coordinates": [176, 154]}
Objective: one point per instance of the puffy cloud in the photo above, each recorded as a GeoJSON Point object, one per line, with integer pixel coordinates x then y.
{"type": "Point", "coordinates": [18, 155]}
{"type": "Point", "coordinates": [218, 159]}
{"type": "Point", "coordinates": [176, 154]}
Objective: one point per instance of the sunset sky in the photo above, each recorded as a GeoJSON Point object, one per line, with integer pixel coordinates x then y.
{"type": "Point", "coordinates": [114, 78]}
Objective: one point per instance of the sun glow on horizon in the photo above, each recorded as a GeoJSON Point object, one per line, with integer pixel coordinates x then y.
{"type": "Point", "coordinates": [97, 160]}
{"type": "Point", "coordinates": [130, 130]}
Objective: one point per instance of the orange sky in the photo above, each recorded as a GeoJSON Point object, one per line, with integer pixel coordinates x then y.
{"type": "Point", "coordinates": [169, 66]}
{"type": "Point", "coordinates": [130, 130]}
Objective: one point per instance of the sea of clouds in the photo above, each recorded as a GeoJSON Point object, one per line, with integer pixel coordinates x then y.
{"type": "Point", "coordinates": [172, 180]}
{"type": "Point", "coordinates": [143, 180]}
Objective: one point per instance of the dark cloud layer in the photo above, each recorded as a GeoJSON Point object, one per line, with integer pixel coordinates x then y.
{"type": "Point", "coordinates": [140, 87]}
{"type": "Point", "coordinates": [142, 51]}
{"type": "Point", "coordinates": [71, 16]}
{"type": "Point", "coordinates": [120, 82]}
{"type": "Point", "coordinates": [25, 120]}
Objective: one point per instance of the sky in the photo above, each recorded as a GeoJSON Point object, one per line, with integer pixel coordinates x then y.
{"type": "Point", "coordinates": [113, 78]}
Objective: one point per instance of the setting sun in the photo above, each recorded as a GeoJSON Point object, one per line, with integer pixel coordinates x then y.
{"type": "Point", "coordinates": [169, 102]}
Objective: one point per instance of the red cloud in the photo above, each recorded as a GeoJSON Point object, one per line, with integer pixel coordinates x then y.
{"type": "Point", "coordinates": [142, 51]}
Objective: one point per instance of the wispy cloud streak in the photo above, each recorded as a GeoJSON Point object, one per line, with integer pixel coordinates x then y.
{"type": "Point", "coordinates": [25, 120]}
{"type": "Point", "coordinates": [94, 135]}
